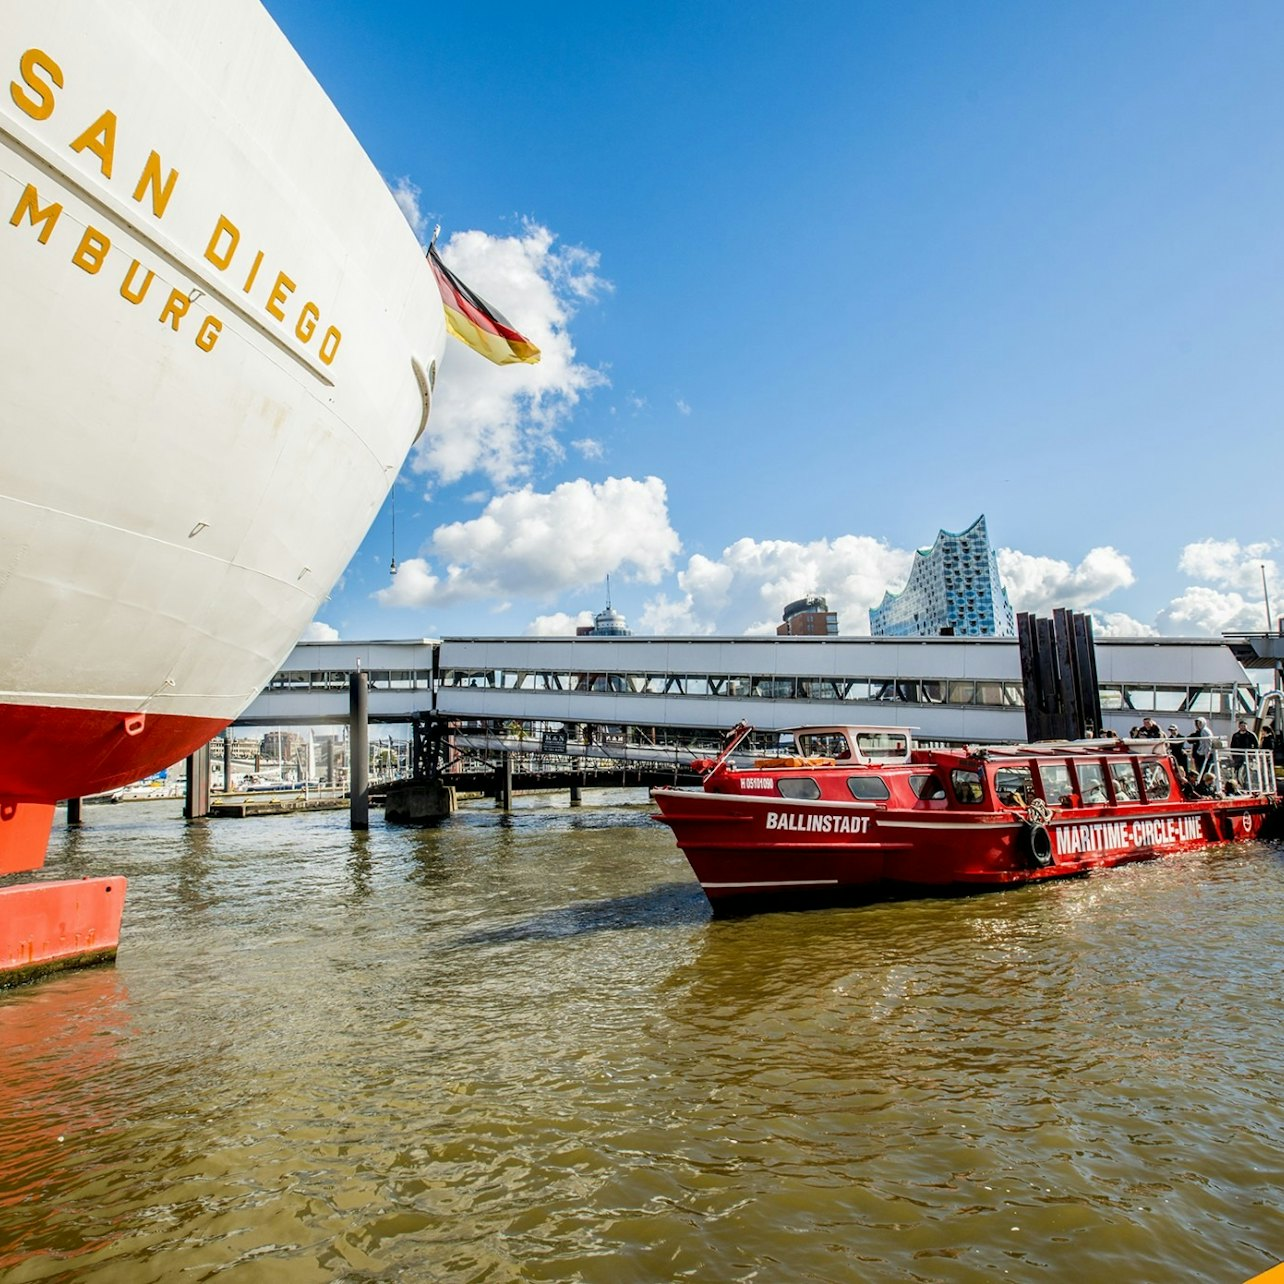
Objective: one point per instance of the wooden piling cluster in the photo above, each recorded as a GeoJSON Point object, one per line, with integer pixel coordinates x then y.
{"type": "Point", "coordinates": [1059, 674]}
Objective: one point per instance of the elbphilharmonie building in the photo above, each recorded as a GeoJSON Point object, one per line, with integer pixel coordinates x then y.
{"type": "Point", "coordinates": [954, 588]}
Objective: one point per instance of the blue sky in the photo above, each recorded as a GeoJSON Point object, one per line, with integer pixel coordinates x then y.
{"type": "Point", "coordinates": [815, 280]}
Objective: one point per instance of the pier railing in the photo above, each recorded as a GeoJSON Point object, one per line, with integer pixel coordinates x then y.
{"type": "Point", "coordinates": [1236, 771]}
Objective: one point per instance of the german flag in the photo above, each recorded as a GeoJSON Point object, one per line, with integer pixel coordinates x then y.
{"type": "Point", "coordinates": [473, 321]}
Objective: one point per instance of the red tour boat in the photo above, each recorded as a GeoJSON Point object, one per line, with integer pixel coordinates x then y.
{"type": "Point", "coordinates": [850, 811]}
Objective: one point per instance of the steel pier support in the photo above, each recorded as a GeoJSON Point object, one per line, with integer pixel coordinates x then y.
{"type": "Point", "coordinates": [197, 802]}
{"type": "Point", "coordinates": [358, 752]}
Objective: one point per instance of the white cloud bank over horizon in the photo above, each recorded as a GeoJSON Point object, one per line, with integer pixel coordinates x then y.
{"type": "Point", "coordinates": [536, 546]}
{"type": "Point", "coordinates": [533, 545]}
{"type": "Point", "coordinates": [745, 590]}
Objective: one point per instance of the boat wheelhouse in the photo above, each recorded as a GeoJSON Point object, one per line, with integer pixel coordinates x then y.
{"type": "Point", "coordinates": [843, 811]}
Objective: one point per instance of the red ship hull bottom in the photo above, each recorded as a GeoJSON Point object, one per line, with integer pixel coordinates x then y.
{"type": "Point", "coordinates": [47, 755]}
{"type": "Point", "coordinates": [24, 835]}
{"type": "Point", "coordinates": [47, 927]}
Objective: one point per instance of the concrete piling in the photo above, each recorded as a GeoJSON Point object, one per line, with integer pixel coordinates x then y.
{"type": "Point", "coordinates": [196, 803]}
{"type": "Point", "coordinates": [358, 752]}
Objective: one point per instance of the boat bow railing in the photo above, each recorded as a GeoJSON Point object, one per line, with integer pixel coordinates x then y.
{"type": "Point", "coordinates": [1236, 771]}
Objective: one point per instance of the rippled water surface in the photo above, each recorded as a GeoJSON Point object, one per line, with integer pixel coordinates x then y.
{"type": "Point", "coordinates": [519, 1048]}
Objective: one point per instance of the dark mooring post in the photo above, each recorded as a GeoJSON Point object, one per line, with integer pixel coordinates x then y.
{"type": "Point", "coordinates": [358, 752]}
{"type": "Point", "coordinates": [73, 811]}
{"type": "Point", "coordinates": [197, 802]}
{"type": "Point", "coordinates": [504, 782]}
{"type": "Point", "coordinates": [227, 761]}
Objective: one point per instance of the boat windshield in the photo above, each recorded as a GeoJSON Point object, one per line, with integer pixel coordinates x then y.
{"type": "Point", "coordinates": [823, 744]}
{"type": "Point", "coordinates": [888, 746]}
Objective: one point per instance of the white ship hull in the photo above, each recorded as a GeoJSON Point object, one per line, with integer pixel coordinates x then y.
{"type": "Point", "coordinates": [219, 336]}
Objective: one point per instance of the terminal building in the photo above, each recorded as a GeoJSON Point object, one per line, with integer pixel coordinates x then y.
{"type": "Point", "coordinates": [953, 590]}
{"type": "Point", "coordinates": [950, 689]}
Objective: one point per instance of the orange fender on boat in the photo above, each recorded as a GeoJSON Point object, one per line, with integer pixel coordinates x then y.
{"type": "Point", "coordinates": [793, 762]}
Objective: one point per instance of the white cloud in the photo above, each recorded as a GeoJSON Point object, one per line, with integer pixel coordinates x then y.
{"type": "Point", "coordinates": [407, 194]}
{"type": "Point", "coordinates": [318, 631]}
{"type": "Point", "coordinates": [589, 447]}
{"type": "Point", "coordinates": [746, 590]}
{"type": "Point", "coordinates": [1230, 599]}
{"type": "Point", "coordinates": [557, 625]}
{"type": "Point", "coordinates": [1039, 584]}
{"type": "Point", "coordinates": [533, 545]}
{"type": "Point", "coordinates": [684, 407]}
{"type": "Point", "coordinates": [498, 419]}
{"type": "Point", "coordinates": [1116, 624]}
{"type": "Point", "coordinates": [1202, 610]}
{"type": "Point", "coordinates": [1229, 563]}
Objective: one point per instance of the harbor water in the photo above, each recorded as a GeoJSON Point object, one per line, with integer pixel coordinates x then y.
{"type": "Point", "coordinates": [518, 1047]}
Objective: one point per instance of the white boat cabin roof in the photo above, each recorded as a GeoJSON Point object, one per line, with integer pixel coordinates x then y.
{"type": "Point", "coordinates": [854, 744]}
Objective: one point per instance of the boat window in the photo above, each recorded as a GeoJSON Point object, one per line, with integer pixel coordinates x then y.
{"type": "Point", "coordinates": [1156, 782]}
{"type": "Point", "coordinates": [803, 788]}
{"type": "Point", "coordinates": [825, 744]}
{"type": "Point", "coordinates": [927, 787]}
{"type": "Point", "coordinates": [882, 744]}
{"type": "Point", "coordinates": [1125, 781]}
{"type": "Point", "coordinates": [967, 785]}
{"type": "Point", "coordinates": [867, 788]}
{"type": "Point", "coordinates": [1092, 783]}
{"type": "Point", "coordinates": [1055, 778]}
{"type": "Point", "coordinates": [1014, 786]}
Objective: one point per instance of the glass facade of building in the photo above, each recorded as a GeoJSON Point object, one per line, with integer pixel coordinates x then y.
{"type": "Point", "coordinates": [953, 587]}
